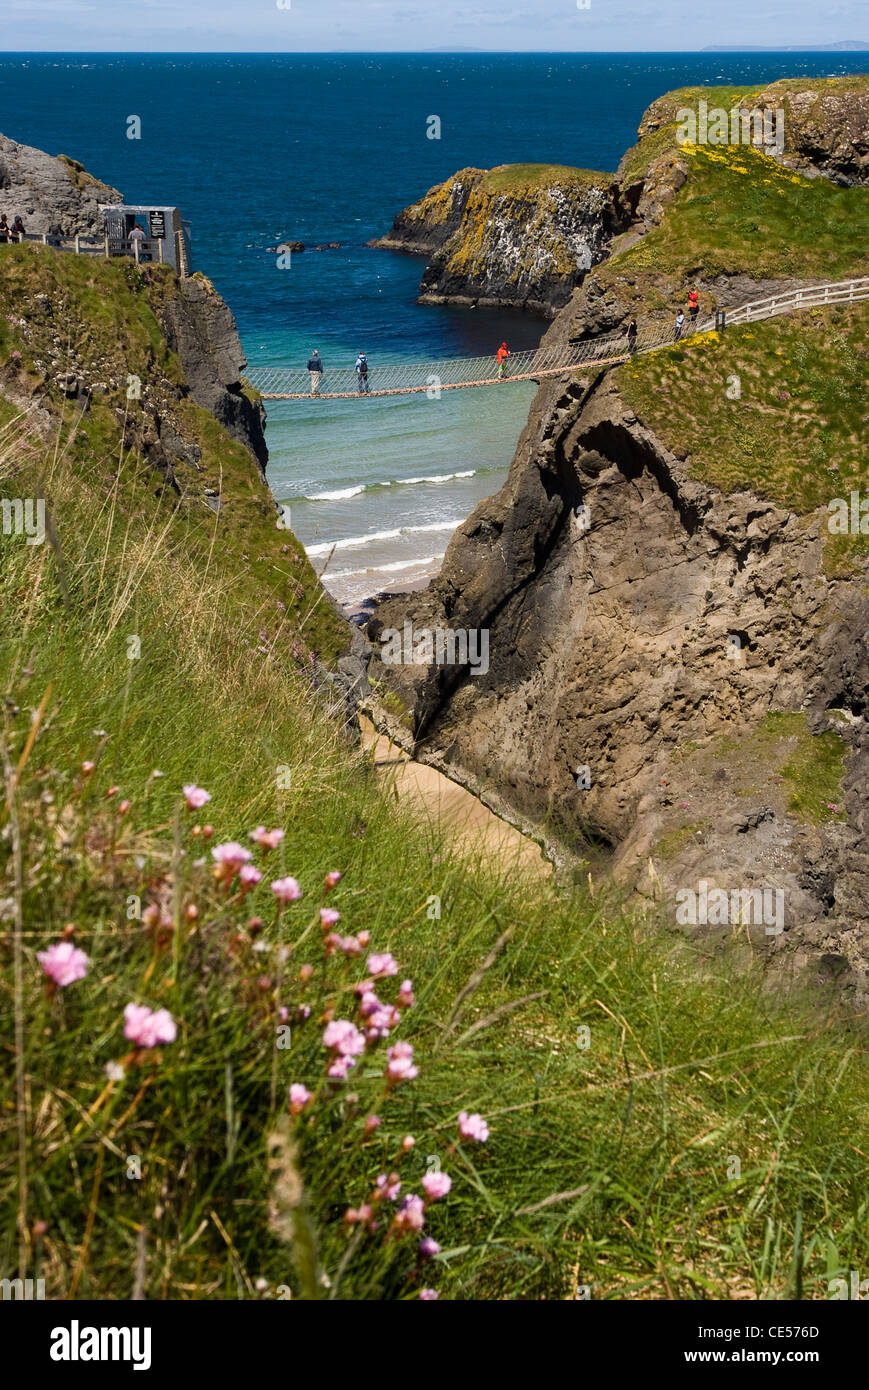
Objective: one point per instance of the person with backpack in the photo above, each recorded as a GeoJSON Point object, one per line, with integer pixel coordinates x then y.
{"type": "Point", "coordinates": [632, 336]}
{"type": "Point", "coordinates": [502, 355]}
{"type": "Point", "coordinates": [362, 373]}
{"type": "Point", "coordinates": [693, 306]}
{"type": "Point", "coordinates": [18, 232]}
{"type": "Point", "coordinates": [315, 367]}
{"type": "Point", "coordinates": [680, 324]}
{"type": "Point", "coordinates": [5, 230]}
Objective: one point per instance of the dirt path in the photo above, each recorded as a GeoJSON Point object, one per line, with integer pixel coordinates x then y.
{"type": "Point", "coordinates": [475, 828]}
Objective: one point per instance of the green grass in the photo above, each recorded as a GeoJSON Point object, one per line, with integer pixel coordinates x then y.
{"type": "Point", "coordinates": [517, 178]}
{"type": "Point", "coordinates": [777, 407]}
{"type": "Point", "coordinates": [740, 211]}
{"type": "Point", "coordinates": [705, 1143]}
{"type": "Point", "coordinates": [98, 320]}
{"type": "Point", "coordinates": [611, 1165]}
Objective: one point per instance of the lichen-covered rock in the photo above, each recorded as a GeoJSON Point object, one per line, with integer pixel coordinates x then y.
{"type": "Point", "coordinates": [521, 235]}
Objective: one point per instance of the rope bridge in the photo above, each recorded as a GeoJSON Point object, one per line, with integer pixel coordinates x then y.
{"type": "Point", "coordinates": [411, 378]}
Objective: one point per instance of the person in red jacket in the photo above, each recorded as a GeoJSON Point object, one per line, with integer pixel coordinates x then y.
{"type": "Point", "coordinates": [693, 306]}
{"type": "Point", "coordinates": [502, 356]}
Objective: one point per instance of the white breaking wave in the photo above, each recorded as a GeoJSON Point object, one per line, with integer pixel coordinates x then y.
{"type": "Point", "coordinates": [382, 569]}
{"type": "Point", "coordinates": [342, 494]}
{"type": "Point", "coordinates": [439, 477]}
{"type": "Point", "coordinates": [350, 542]}
{"type": "Point", "coordinates": [338, 496]}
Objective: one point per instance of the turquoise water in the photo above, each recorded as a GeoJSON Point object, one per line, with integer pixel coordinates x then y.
{"type": "Point", "coordinates": [258, 148]}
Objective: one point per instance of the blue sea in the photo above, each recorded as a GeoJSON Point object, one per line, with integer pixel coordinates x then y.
{"type": "Point", "coordinates": [256, 149]}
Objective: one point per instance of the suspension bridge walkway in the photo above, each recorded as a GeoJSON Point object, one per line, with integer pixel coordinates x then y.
{"type": "Point", "coordinates": [411, 378]}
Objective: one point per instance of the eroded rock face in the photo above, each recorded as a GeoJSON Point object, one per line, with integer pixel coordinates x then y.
{"type": "Point", "coordinates": [45, 190]}
{"type": "Point", "coordinates": [200, 327]}
{"type": "Point", "coordinates": [612, 649]}
{"type": "Point", "coordinates": [525, 246]}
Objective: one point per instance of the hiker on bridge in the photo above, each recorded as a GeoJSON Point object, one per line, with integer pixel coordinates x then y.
{"type": "Point", "coordinates": [502, 355]}
{"type": "Point", "coordinates": [680, 324]}
{"type": "Point", "coordinates": [362, 374]}
{"type": "Point", "coordinates": [693, 306]}
{"type": "Point", "coordinates": [315, 367]}
{"type": "Point", "coordinates": [632, 336]}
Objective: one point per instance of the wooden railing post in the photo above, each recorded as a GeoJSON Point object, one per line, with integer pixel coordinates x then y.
{"type": "Point", "coordinates": [107, 246]}
{"type": "Point", "coordinates": [136, 248]}
{"type": "Point", "coordinates": [77, 249]}
{"type": "Point", "coordinates": [160, 250]}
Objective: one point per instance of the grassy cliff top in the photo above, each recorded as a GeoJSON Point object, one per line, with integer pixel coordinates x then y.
{"type": "Point", "coordinates": [518, 178]}
{"type": "Point", "coordinates": [777, 407]}
{"type": "Point", "coordinates": [98, 320]}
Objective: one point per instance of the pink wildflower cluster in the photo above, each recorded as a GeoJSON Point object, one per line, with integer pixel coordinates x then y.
{"type": "Point", "coordinates": [147, 1028]}
{"type": "Point", "coordinates": [63, 963]}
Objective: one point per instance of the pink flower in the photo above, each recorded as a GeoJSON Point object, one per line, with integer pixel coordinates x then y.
{"type": "Point", "coordinates": [228, 859]}
{"type": "Point", "coordinates": [350, 946]}
{"type": "Point", "coordinates": [399, 1066]}
{"type": "Point", "coordinates": [364, 987]}
{"type": "Point", "coordinates": [382, 965]}
{"type": "Point", "coordinates": [266, 839]}
{"type": "Point", "coordinates": [196, 797]}
{"type": "Point", "coordinates": [87, 768]}
{"type": "Point", "coordinates": [299, 1097]}
{"type": "Point", "coordinates": [344, 1037]}
{"type": "Point", "coordinates": [351, 1215]}
{"type": "Point", "coordinates": [123, 807]}
{"type": "Point", "coordinates": [331, 942]}
{"type": "Point", "coordinates": [328, 917]}
{"type": "Point", "coordinates": [332, 880]}
{"type": "Point", "coordinates": [379, 1023]}
{"type": "Point", "coordinates": [428, 1248]}
{"type": "Point", "coordinates": [146, 1028]}
{"type": "Point", "coordinates": [388, 1188]}
{"type": "Point", "coordinates": [369, 1004]}
{"type": "Point", "coordinates": [473, 1127]}
{"type": "Point", "coordinates": [341, 1066]}
{"type": "Point", "coordinates": [429, 1295]}
{"type": "Point", "coordinates": [363, 937]}
{"type": "Point", "coordinates": [63, 963]}
{"type": "Point", "coordinates": [372, 1122]}
{"type": "Point", "coordinates": [407, 1143]}
{"type": "Point", "coordinates": [411, 1214]}
{"type": "Point", "coordinates": [286, 890]}
{"type": "Point", "coordinates": [250, 876]}
{"type": "Point", "coordinates": [405, 994]}
{"type": "Point", "coordinates": [436, 1185]}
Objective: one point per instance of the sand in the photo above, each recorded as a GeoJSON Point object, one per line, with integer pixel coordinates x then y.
{"type": "Point", "coordinates": [473, 827]}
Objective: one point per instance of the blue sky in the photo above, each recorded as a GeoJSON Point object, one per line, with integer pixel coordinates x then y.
{"type": "Point", "coordinates": [416, 25]}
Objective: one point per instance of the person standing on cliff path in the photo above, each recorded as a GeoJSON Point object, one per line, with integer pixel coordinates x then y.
{"type": "Point", "coordinates": [362, 374]}
{"type": "Point", "coordinates": [680, 324]}
{"type": "Point", "coordinates": [315, 367]}
{"type": "Point", "coordinates": [632, 336]}
{"type": "Point", "coordinates": [5, 230]}
{"type": "Point", "coordinates": [502, 355]}
{"type": "Point", "coordinates": [18, 232]}
{"type": "Point", "coordinates": [693, 306]}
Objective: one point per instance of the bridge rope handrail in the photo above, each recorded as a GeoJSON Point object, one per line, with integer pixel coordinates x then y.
{"type": "Point", "coordinates": [408, 378]}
